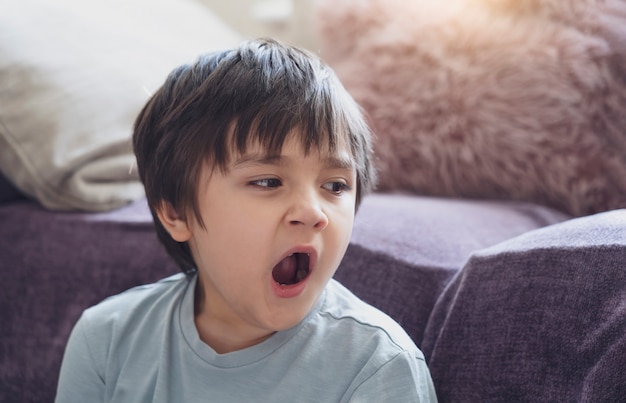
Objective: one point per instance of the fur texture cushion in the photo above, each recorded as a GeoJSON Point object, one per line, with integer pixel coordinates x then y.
{"type": "Point", "coordinates": [489, 98]}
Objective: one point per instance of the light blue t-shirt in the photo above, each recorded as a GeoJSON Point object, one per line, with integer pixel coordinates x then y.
{"type": "Point", "coordinates": [143, 346]}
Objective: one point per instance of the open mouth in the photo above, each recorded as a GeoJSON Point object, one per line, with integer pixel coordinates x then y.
{"type": "Point", "coordinates": [292, 269]}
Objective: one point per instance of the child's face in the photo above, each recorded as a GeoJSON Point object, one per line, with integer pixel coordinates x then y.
{"type": "Point", "coordinates": [283, 219]}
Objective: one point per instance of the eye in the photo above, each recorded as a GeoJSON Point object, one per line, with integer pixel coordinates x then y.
{"type": "Point", "coordinates": [336, 188]}
{"type": "Point", "coordinates": [266, 183]}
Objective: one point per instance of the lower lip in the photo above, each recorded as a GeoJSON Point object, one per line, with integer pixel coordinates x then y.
{"type": "Point", "coordinates": [289, 291]}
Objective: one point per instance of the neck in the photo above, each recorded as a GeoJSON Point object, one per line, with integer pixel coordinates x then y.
{"type": "Point", "coordinates": [222, 336]}
{"type": "Point", "coordinates": [224, 342]}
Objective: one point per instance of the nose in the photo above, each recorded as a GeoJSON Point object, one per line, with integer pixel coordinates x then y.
{"type": "Point", "coordinates": [306, 211]}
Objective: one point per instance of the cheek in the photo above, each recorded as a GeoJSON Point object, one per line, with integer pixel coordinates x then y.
{"type": "Point", "coordinates": [343, 224]}
{"type": "Point", "coordinates": [224, 213]}
{"type": "Point", "coordinates": [345, 213]}
{"type": "Point", "coordinates": [240, 229]}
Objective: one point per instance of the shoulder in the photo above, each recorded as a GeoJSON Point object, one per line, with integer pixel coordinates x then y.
{"type": "Point", "coordinates": [362, 320]}
{"type": "Point", "coordinates": [380, 359]}
{"type": "Point", "coordinates": [132, 307]}
{"type": "Point", "coordinates": [140, 297]}
{"type": "Point", "coordinates": [119, 329]}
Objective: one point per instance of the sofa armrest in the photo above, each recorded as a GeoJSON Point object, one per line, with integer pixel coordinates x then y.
{"type": "Point", "coordinates": [541, 317]}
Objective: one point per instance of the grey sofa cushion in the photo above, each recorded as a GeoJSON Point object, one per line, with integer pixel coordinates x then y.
{"type": "Point", "coordinates": [541, 317]}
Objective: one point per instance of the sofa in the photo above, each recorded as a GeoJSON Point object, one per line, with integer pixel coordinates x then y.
{"type": "Point", "coordinates": [511, 295]}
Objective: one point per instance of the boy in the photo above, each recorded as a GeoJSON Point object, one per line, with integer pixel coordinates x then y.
{"type": "Point", "coordinates": [254, 161]}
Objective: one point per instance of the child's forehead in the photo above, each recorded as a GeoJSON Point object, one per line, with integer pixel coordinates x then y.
{"type": "Point", "coordinates": [335, 160]}
{"type": "Point", "coordinates": [295, 142]}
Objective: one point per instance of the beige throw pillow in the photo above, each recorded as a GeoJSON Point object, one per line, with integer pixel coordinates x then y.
{"type": "Point", "coordinates": [73, 76]}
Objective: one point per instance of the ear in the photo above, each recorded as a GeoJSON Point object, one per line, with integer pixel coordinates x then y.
{"type": "Point", "coordinates": [174, 223]}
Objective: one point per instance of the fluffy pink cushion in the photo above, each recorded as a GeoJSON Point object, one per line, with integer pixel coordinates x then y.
{"type": "Point", "coordinates": [489, 98]}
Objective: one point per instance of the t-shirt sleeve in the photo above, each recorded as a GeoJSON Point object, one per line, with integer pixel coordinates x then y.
{"type": "Point", "coordinates": [405, 378]}
{"type": "Point", "coordinates": [79, 380]}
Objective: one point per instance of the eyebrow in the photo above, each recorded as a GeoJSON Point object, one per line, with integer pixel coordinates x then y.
{"type": "Point", "coordinates": [257, 159]}
{"type": "Point", "coordinates": [339, 162]}
{"type": "Point", "coordinates": [330, 162]}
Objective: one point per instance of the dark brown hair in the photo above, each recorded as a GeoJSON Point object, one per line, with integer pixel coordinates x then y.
{"type": "Point", "coordinates": [208, 110]}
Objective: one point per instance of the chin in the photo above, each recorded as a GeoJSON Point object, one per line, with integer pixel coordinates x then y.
{"type": "Point", "coordinates": [292, 314]}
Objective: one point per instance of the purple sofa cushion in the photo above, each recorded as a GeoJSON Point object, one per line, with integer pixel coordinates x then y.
{"type": "Point", "coordinates": [541, 317]}
{"type": "Point", "coordinates": [8, 192]}
{"type": "Point", "coordinates": [404, 251]}
{"type": "Point", "coordinates": [54, 265]}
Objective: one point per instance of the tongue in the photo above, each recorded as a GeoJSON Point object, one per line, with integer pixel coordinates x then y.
{"type": "Point", "coordinates": [285, 271]}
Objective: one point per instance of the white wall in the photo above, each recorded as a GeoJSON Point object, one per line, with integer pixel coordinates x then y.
{"type": "Point", "coordinates": [287, 20]}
